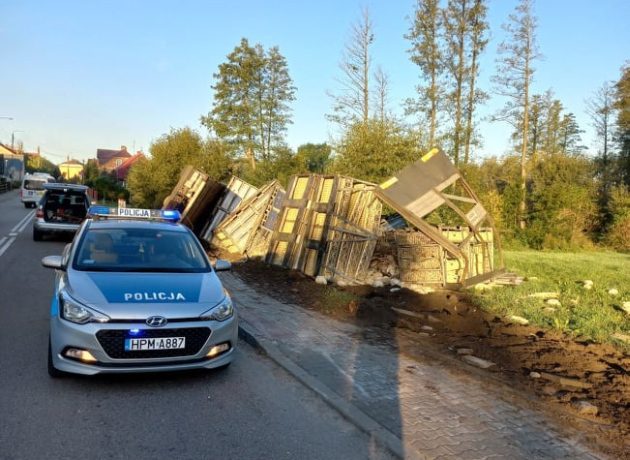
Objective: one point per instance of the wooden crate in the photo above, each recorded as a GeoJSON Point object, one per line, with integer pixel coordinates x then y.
{"type": "Point", "coordinates": [236, 191]}
{"type": "Point", "coordinates": [237, 231]}
{"type": "Point", "coordinates": [327, 226]}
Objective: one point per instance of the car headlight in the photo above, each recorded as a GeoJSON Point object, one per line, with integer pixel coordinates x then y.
{"type": "Point", "coordinates": [221, 312]}
{"type": "Point", "coordinates": [74, 312]}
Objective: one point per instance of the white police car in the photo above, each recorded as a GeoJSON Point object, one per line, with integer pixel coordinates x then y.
{"type": "Point", "coordinates": [135, 292]}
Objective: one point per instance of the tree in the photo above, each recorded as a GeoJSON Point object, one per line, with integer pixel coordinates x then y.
{"type": "Point", "coordinates": [570, 139]}
{"type": "Point", "coordinates": [622, 105]}
{"type": "Point", "coordinates": [314, 157]}
{"type": "Point", "coordinates": [478, 42]}
{"type": "Point", "coordinates": [277, 92]}
{"type": "Point", "coordinates": [513, 80]}
{"type": "Point", "coordinates": [375, 150]}
{"type": "Point", "coordinates": [426, 53]}
{"type": "Point", "coordinates": [601, 110]}
{"type": "Point", "coordinates": [455, 32]}
{"type": "Point", "coordinates": [381, 98]}
{"type": "Point", "coordinates": [352, 104]}
{"type": "Point", "coordinates": [252, 92]}
{"type": "Point", "coordinates": [150, 181]}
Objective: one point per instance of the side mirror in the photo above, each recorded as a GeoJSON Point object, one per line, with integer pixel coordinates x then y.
{"type": "Point", "coordinates": [222, 265]}
{"type": "Point", "coordinates": [55, 262]}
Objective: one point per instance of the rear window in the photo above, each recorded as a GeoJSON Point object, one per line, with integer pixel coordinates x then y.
{"type": "Point", "coordinates": [34, 184]}
{"type": "Point", "coordinates": [65, 198]}
{"type": "Point", "coordinates": [139, 250]}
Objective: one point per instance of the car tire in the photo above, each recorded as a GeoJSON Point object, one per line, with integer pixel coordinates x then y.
{"type": "Point", "coordinates": [52, 370]}
{"type": "Point", "coordinates": [27, 204]}
{"type": "Point", "coordinates": [37, 235]}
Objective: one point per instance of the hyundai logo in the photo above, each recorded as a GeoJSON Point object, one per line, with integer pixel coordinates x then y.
{"type": "Point", "coordinates": [156, 321]}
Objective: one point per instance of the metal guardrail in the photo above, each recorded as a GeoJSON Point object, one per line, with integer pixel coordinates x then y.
{"type": "Point", "coordinates": [5, 187]}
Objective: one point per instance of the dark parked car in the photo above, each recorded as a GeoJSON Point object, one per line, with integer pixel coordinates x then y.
{"type": "Point", "coordinates": [62, 209]}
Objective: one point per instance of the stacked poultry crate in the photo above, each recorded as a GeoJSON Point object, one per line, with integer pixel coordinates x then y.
{"type": "Point", "coordinates": [328, 225]}
{"type": "Point", "coordinates": [248, 229]}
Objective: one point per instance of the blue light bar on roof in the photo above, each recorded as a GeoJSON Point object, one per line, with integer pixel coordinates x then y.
{"type": "Point", "coordinates": [170, 215]}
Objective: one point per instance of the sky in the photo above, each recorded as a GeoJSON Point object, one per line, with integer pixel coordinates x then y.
{"type": "Point", "coordinates": [82, 75]}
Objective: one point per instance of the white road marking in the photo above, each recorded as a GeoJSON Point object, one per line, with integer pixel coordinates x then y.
{"type": "Point", "coordinates": [20, 223]}
{"type": "Point", "coordinates": [6, 246]}
{"type": "Point", "coordinates": [26, 222]}
{"type": "Point", "coordinates": [19, 227]}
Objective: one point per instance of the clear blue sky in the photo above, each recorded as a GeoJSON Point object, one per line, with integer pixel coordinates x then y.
{"type": "Point", "coordinates": [82, 75]}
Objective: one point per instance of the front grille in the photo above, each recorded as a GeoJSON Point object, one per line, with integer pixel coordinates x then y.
{"type": "Point", "coordinates": [113, 342]}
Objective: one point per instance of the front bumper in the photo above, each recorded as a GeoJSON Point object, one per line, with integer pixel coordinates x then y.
{"type": "Point", "coordinates": [64, 334]}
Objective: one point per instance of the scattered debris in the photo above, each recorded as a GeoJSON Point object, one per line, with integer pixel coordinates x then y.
{"type": "Point", "coordinates": [535, 375]}
{"type": "Point", "coordinates": [427, 328]}
{"type": "Point", "coordinates": [565, 381]}
{"type": "Point", "coordinates": [465, 351]}
{"type": "Point", "coordinates": [321, 280]}
{"type": "Point", "coordinates": [585, 408]}
{"type": "Point", "coordinates": [622, 337]}
{"type": "Point", "coordinates": [545, 295]}
{"type": "Point", "coordinates": [478, 362]}
{"type": "Point", "coordinates": [587, 284]}
{"type": "Point", "coordinates": [394, 289]}
{"type": "Point", "coordinates": [408, 313]}
{"type": "Point", "coordinates": [625, 307]}
{"type": "Point", "coordinates": [519, 320]}
{"type": "Point", "coordinates": [549, 310]}
{"type": "Point", "coordinates": [553, 302]}
{"type": "Point", "coordinates": [613, 292]}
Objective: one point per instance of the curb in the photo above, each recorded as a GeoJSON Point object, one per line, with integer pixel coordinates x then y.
{"type": "Point", "coordinates": [364, 422]}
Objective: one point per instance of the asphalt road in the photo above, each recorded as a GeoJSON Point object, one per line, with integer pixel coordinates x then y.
{"type": "Point", "coordinates": [253, 410]}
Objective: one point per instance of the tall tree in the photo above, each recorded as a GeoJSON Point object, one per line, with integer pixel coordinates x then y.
{"type": "Point", "coordinates": [570, 139]}
{"type": "Point", "coordinates": [455, 32]}
{"type": "Point", "coordinates": [478, 42]}
{"type": "Point", "coordinates": [252, 92]}
{"type": "Point", "coordinates": [600, 107]}
{"type": "Point", "coordinates": [513, 80]}
{"type": "Point", "coordinates": [381, 98]}
{"type": "Point", "coordinates": [622, 105]}
{"type": "Point", "coordinates": [426, 52]}
{"type": "Point", "coordinates": [277, 91]}
{"type": "Point", "coordinates": [352, 104]}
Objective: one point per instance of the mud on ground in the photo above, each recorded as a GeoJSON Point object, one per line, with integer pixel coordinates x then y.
{"type": "Point", "coordinates": [562, 372]}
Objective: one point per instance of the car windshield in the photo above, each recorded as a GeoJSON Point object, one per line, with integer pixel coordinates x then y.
{"type": "Point", "coordinates": [34, 184]}
{"type": "Point", "coordinates": [139, 250]}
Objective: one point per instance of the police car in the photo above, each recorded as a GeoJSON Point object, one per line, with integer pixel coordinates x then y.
{"type": "Point", "coordinates": [135, 292]}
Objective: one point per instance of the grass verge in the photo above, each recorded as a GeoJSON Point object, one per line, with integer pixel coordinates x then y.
{"type": "Point", "coordinates": [593, 313]}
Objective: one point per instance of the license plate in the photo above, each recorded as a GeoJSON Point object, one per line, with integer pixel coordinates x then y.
{"type": "Point", "coordinates": [158, 343]}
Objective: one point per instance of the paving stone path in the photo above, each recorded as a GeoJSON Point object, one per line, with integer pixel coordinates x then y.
{"type": "Point", "coordinates": [435, 408]}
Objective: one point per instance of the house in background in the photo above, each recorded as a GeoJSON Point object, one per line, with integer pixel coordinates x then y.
{"type": "Point", "coordinates": [110, 160]}
{"type": "Point", "coordinates": [71, 169]}
{"type": "Point", "coordinates": [123, 169]}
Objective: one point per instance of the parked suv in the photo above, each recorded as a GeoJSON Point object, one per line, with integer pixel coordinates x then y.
{"type": "Point", "coordinates": [62, 209]}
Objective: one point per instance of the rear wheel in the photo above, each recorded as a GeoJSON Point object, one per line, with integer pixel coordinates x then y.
{"type": "Point", "coordinates": [27, 204]}
{"type": "Point", "coordinates": [52, 370]}
{"type": "Point", "coordinates": [37, 235]}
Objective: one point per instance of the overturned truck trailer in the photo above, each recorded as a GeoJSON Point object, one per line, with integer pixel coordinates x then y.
{"type": "Point", "coordinates": [445, 256]}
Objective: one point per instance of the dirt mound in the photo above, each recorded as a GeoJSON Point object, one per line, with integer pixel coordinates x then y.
{"type": "Point", "coordinates": [586, 384]}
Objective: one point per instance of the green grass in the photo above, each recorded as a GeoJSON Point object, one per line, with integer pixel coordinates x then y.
{"type": "Point", "coordinates": [588, 313]}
